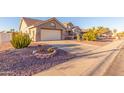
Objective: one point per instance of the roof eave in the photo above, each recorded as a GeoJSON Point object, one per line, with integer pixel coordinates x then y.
{"type": "Point", "coordinates": [50, 20]}
{"type": "Point", "coordinates": [31, 26]}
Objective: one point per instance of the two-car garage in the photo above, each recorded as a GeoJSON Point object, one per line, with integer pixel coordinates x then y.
{"type": "Point", "coordinates": [40, 30]}
{"type": "Point", "coordinates": [51, 34]}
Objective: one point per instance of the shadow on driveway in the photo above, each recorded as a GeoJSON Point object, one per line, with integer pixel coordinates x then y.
{"type": "Point", "coordinates": [64, 45]}
{"type": "Point", "coordinates": [93, 55]}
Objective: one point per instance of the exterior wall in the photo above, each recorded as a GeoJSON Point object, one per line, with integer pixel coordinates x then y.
{"type": "Point", "coordinates": [49, 27]}
{"type": "Point", "coordinates": [35, 32]}
{"type": "Point", "coordinates": [38, 34]}
{"type": "Point", "coordinates": [5, 37]}
{"type": "Point", "coordinates": [64, 34]}
{"type": "Point", "coordinates": [32, 33]}
{"type": "Point", "coordinates": [23, 27]}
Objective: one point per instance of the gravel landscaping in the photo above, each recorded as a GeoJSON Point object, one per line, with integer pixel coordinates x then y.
{"type": "Point", "coordinates": [22, 62]}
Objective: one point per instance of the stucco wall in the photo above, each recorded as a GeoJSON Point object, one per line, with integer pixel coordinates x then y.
{"type": "Point", "coordinates": [32, 34]}
{"type": "Point", "coordinates": [49, 27]}
{"type": "Point", "coordinates": [5, 37]}
{"type": "Point", "coordinates": [23, 27]}
{"type": "Point", "coordinates": [35, 32]}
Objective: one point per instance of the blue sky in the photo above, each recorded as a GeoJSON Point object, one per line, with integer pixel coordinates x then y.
{"type": "Point", "coordinates": [7, 23]}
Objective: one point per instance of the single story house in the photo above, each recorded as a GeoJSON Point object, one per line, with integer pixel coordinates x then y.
{"type": "Point", "coordinates": [39, 30]}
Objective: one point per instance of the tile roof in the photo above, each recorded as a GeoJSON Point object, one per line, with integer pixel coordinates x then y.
{"type": "Point", "coordinates": [30, 21]}
{"type": "Point", "coordinates": [34, 22]}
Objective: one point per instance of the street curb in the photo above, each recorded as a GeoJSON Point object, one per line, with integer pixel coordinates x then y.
{"type": "Point", "coordinates": [102, 68]}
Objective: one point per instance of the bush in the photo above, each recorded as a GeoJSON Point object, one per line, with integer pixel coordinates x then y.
{"type": "Point", "coordinates": [20, 40]}
{"type": "Point", "coordinates": [89, 36]}
{"type": "Point", "coordinates": [50, 50]}
{"type": "Point", "coordinates": [95, 33]}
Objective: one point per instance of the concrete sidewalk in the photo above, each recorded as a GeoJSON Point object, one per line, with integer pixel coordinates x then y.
{"type": "Point", "coordinates": [94, 63]}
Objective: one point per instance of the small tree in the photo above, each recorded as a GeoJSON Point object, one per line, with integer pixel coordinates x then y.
{"type": "Point", "coordinates": [95, 32]}
{"type": "Point", "coordinates": [20, 40]}
{"type": "Point", "coordinates": [89, 36]}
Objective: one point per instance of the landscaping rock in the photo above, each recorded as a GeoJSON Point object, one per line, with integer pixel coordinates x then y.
{"type": "Point", "coordinates": [24, 62]}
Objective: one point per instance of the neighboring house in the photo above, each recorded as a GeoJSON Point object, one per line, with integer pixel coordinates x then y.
{"type": "Point", "coordinates": [71, 30]}
{"type": "Point", "coordinates": [84, 31]}
{"type": "Point", "coordinates": [39, 30]}
{"type": "Point", "coordinates": [106, 35]}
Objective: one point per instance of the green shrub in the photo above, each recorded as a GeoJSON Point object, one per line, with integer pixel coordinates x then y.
{"type": "Point", "coordinates": [95, 32]}
{"type": "Point", "coordinates": [20, 40]}
{"type": "Point", "coordinates": [89, 36]}
{"type": "Point", "coordinates": [50, 50]}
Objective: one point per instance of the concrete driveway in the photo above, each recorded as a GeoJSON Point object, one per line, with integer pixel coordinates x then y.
{"type": "Point", "coordinates": [92, 60]}
{"type": "Point", "coordinates": [72, 46]}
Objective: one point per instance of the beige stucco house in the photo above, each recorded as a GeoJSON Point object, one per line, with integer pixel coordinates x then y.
{"type": "Point", "coordinates": [39, 30]}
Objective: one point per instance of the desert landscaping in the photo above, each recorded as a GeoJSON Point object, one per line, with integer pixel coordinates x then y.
{"type": "Point", "coordinates": [23, 62]}
{"type": "Point", "coordinates": [52, 48]}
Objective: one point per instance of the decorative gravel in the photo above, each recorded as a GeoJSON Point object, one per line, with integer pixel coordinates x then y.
{"type": "Point", "coordinates": [22, 62]}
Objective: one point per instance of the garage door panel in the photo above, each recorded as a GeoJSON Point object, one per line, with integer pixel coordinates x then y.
{"type": "Point", "coordinates": [50, 35]}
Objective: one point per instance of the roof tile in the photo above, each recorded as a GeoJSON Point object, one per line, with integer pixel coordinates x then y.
{"type": "Point", "coordinates": [31, 22]}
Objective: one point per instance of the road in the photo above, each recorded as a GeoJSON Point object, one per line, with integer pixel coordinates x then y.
{"type": "Point", "coordinates": [117, 68]}
{"type": "Point", "coordinates": [94, 62]}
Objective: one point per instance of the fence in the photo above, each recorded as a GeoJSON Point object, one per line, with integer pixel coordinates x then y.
{"type": "Point", "coordinates": [5, 37]}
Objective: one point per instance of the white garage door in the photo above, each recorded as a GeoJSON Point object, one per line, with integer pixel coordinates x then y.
{"type": "Point", "coordinates": [50, 35]}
